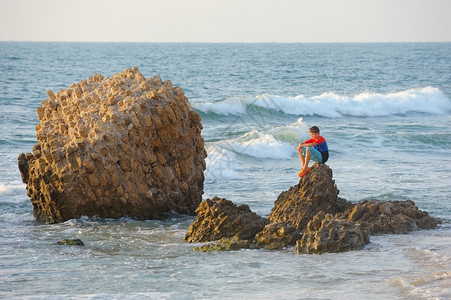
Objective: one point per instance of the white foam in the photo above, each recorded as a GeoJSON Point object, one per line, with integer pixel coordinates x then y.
{"type": "Point", "coordinates": [422, 100]}
{"type": "Point", "coordinates": [221, 164]}
{"type": "Point", "coordinates": [13, 193]}
{"type": "Point", "coordinates": [232, 106]}
{"type": "Point", "coordinates": [259, 145]}
{"type": "Point", "coordinates": [10, 217]}
{"type": "Point", "coordinates": [6, 190]}
{"type": "Point", "coordinates": [292, 133]}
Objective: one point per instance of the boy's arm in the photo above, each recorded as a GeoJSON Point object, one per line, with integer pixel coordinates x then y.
{"type": "Point", "coordinates": [308, 144]}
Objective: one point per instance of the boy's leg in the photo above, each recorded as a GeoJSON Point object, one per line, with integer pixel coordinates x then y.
{"type": "Point", "coordinates": [305, 158]}
{"type": "Point", "coordinates": [316, 155]}
{"type": "Point", "coordinates": [301, 156]}
{"type": "Point", "coordinates": [308, 155]}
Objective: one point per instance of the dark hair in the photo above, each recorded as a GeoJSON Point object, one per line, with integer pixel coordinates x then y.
{"type": "Point", "coordinates": [314, 129]}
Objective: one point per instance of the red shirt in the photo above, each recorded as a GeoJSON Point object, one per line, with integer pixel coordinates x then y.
{"type": "Point", "coordinates": [320, 142]}
{"type": "Point", "coordinates": [317, 141]}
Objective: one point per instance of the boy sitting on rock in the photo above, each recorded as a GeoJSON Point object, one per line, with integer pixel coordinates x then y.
{"type": "Point", "coordinates": [314, 148]}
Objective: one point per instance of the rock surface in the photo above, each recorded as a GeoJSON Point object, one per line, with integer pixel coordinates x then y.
{"type": "Point", "coordinates": [397, 217]}
{"type": "Point", "coordinates": [324, 233]}
{"type": "Point", "coordinates": [315, 192]}
{"type": "Point", "coordinates": [71, 242]}
{"type": "Point", "coordinates": [311, 208]}
{"type": "Point", "coordinates": [220, 218]}
{"type": "Point", "coordinates": [225, 244]}
{"type": "Point", "coordinates": [276, 236]}
{"type": "Point", "coordinates": [114, 147]}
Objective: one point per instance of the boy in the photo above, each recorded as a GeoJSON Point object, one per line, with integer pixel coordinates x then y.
{"type": "Point", "coordinates": [314, 148]}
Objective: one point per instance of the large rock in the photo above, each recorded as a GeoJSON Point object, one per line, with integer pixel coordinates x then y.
{"type": "Point", "coordinates": [114, 147]}
{"type": "Point", "coordinates": [324, 233]}
{"type": "Point", "coordinates": [397, 217]}
{"type": "Point", "coordinates": [219, 218]}
{"type": "Point", "coordinates": [315, 192]}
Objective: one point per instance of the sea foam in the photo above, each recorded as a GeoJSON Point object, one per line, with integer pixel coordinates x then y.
{"type": "Point", "coordinates": [259, 145]}
{"type": "Point", "coordinates": [221, 164]}
{"type": "Point", "coordinates": [12, 190]}
{"type": "Point", "coordinates": [292, 133]}
{"type": "Point", "coordinates": [278, 143]}
{"type": "Point", "coordinates": [427, 100]}
{"type": "Point", "coordinates": [5, 190]}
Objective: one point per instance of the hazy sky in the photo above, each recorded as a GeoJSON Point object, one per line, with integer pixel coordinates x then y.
{"type": "Point", "coordinates": [226, 20]}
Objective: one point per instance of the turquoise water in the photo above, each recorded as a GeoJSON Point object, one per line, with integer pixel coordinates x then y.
{"type": "Point", "coordinates": [384, 109]}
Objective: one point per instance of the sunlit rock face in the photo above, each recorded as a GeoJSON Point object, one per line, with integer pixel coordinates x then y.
{"type": "Point", "coordinates": [219, 218]}
{"type": "Point", "coordinates": [315, 192]}
{"type": "Point", "coordinates": [324, 233]}
{"type": "Point", "coordinates": [115, 147]}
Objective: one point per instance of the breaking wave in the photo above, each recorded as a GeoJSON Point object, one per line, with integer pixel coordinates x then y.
{"type": "Point", "coordinates": [427, 100]}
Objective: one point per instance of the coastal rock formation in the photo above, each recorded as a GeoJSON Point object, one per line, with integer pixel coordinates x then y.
{"type": "Point", "coordinates": [220, 218]}
{"type": "Point", "coordinates": [383, 217]}
{"type": "Point", "coordinates": [115, 147]}
{"type": "Point", "coordinates": [324, 233]}
{"type": "Point", "coordinates": [315, 192]}
{"type": "Point", "coordinates": [276, 236]}
{"type": "Point", "coordinates": [310, 215]}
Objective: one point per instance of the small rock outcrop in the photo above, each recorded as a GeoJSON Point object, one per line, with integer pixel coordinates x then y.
{"type": "Point", "coordinates": [276, 236]}
{"type": "Point", "coordinates": [324, 233]}
{"type": "Point", "coordinates": [115, 147]}
{"type": "Point", "coordinates": [384, 217]}
{"type": "Point", "coordinates": [220, 218]}
{"type": "Point", "coordinates": [70, 242]}
{"type": "Point", "coordinates": [225, 244]}
{"type": "Point", "coordinates": [315, 192]}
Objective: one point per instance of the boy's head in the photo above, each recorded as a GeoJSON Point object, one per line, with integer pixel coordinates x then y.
{"type": "Point", "coordinates": [314, 129]}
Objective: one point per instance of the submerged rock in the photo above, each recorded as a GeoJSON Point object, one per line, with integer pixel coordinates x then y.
{"type": "Point", "coordinates": [224, 244]}
{"type": "Point", "coordinates": [115, 147]}
{"type": "Point", "coordinates": [315, 192]}
{"type": "Point", "coordinates": [220, 218]}
{"type": "Point", "coordinates": [71, 242]}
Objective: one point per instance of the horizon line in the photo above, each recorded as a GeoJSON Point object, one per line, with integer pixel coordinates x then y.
{"type": "Point", "coordinates": [224, 42]}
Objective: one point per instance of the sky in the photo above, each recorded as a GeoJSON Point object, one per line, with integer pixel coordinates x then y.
{"type": "Point", "coordinates": [226, 20]}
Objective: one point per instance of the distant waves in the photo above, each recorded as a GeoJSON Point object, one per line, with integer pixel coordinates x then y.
{"type": "Point", "coordinates": [427, 100]}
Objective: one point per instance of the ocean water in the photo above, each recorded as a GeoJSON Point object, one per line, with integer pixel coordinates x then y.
{"type": "Point", "coordinates": [385, 110]}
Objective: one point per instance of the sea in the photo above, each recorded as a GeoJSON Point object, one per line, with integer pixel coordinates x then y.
{"type": "Point", "coordinates": [384, 109]}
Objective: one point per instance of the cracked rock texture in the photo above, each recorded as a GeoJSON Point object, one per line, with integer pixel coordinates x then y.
{"type": "Point", "coordinates": [115, 147]}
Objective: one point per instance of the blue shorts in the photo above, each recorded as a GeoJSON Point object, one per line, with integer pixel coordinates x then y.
{"type": "Point", "coordinates": [316, 155]}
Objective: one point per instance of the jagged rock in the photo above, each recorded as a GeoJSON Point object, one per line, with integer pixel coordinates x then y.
{"type": "Point", "coordinates": [225, 244]}
{"type": "Point", "coordinates": [312, 202]}
{"type": "Point", "coordinates": [276, 236]}
{"type": "Point", "coordinates": [114, 147]}
{"type": "Point", "coordinates": [315, 192]}
{"type": "Point", "coordinates": [390, 216]}
{"type": "Point", "coordinates": [220, 218]}
{"type": "Point", "coordinates": [324, 233]}
{"type": "Point", "coordinates": [341, 207]}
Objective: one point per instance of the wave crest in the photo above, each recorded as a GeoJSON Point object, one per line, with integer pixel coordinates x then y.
{"type": "Point", "coordinates": [428, 100]}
